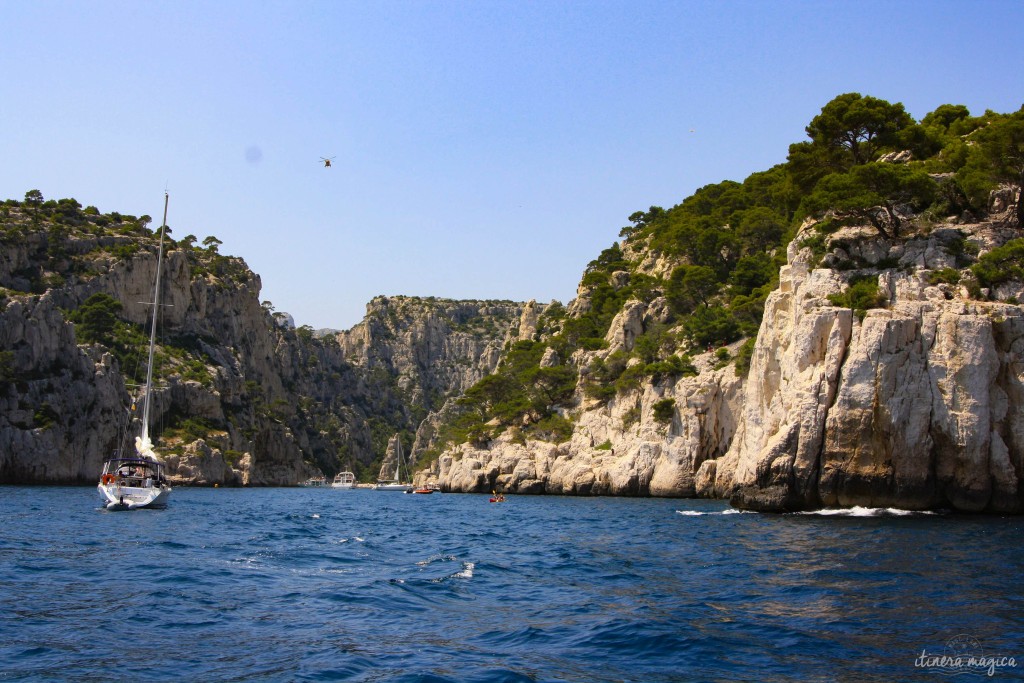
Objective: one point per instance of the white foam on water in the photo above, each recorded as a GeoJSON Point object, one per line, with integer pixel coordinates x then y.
{"type": "Point", "coordinates": [700, 513]}
{"type": "Point", "coordinates": [316, 516]}
{"type": "Point", "coordinates": [467, 571]}
{"type": "Point", "coordinates": [855, 511]}
{"type": "Point", "coordinates": [859, 511]}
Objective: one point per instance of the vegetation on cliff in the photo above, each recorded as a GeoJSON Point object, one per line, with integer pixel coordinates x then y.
{"type": "Point", "coordinates": [700, 272]}
{"type": "Point", "coordinates": [232, 375]}
{"type": "Point", "coordinates": [708, 264]}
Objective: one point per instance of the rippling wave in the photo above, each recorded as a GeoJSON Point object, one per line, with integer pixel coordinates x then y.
{"type": "Point", "coordinates": [307, 584]}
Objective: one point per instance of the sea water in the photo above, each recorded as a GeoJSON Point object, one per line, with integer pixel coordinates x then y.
{"type": "Point", "coordinates": [321, 584]}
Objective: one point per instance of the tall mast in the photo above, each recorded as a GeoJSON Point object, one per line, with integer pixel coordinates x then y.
{"type": "Point", "coordinates": [152, 329]}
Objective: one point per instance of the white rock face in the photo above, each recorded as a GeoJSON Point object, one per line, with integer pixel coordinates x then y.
{"type": "Point", "coordinates": [63, 410]}
{"type": "Point", "coordinates": [615, 449]}
{"type": "Point", "coordinates": [916, 406]}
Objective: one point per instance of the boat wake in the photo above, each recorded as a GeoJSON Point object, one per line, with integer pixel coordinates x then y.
{"type": "Point", "coordinates": [702, 513]}
{"type": "Point", "coordinates": [858, 511]}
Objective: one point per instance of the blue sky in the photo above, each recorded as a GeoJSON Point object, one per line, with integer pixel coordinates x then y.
{"type": "Point", "coordinates": [482, 149]}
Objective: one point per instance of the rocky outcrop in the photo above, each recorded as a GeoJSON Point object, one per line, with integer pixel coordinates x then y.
{"type": "Point", "coordinates": [435, 348]}
{"type": "Point", "coordinates": [625, 446]}
{"type": "Point", "coordinates": [243, 398]}
{"type": "Point", "coordinates": [917, 405]}
{"type": "Point", "coordinates": [618, 449]}
{"type": "Point", "coordinates": [62, 403]}
{"type": "Point", "coordinates": [226, 368]}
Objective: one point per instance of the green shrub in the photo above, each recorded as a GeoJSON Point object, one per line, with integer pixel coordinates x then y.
{"type": "Point", "coordinates": [862, 294]}
{"type": "Point", "coordinates": [631, 417]}
{"type": "Point", "coordinates": [45, 417]}
{"type": "Point", "coordinates": [743, 357]}
{"type": "Point", "coordinates": [1000, 265]}
{"type": "Point", "coordinates": [554, 428]}
{"type": "Point", "coordinates": [949, 276]}
{"type": "Point", "coordinates": [599, 392]}
{"type": "Point", "coordinates": [96, 319]}
{"type": "Point", "coordinates": [664, 410]}
{"type": "Point", "coordinates": [711, 326]}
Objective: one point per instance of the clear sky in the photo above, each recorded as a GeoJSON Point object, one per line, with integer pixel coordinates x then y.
{"type": "Point", "coordinates": [482, 149]}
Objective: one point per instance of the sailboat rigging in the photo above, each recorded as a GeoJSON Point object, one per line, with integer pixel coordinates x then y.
{"type": "Point", "coordinates": [385, 480]}
{"type": "Point", "coordinates": [136, 481]}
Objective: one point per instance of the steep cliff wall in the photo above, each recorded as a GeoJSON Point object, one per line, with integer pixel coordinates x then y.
{"type": "Point", "coordinates": [63, 403]}
{"type": "Point", "coordinates": [434, 348]}
{"type": "Point", "coordinates": [241, 397]}
{"type": "Point", "coordinates": [622, 446]}
{"type": "Point", "coordinates": [913, 403]}
{"type": "Point", "coordinates": [916, 402]}
{"type": "Point", "coordinates": [917, 405]}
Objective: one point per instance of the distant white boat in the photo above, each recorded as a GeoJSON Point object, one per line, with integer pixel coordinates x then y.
{"type": "Point", "coordinates": [138, 481]}
{"type": "Point", "coordinates": [314, 482]}
{"type": "Point", "coordinates": [386, 481]}
{"type": "Point", "coordinates": [344, 480]}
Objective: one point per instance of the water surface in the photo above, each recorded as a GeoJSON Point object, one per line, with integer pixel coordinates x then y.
{"type": "Point", "coordinates": [319, 584]}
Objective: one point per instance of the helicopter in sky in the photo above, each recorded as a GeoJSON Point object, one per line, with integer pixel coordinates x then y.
{"type": "Point", "coordinates": [327, 161]}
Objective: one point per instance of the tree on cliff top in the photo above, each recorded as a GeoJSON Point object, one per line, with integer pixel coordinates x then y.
{"type": "Point", "coordinates": [873, 192]}
{"type": "Point", "coordinates": [997, 156]}
{"type": "Point", "coordinates": [853, 128]}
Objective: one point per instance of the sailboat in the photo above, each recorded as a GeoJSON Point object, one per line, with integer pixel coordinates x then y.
{"type": "Point", "coordinates": [136, 481]}
{"type": "Point", "coordinates": [387, 482]}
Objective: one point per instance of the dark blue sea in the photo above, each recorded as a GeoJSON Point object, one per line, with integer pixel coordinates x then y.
{"type": "Point", "coordinates": [325, 585]}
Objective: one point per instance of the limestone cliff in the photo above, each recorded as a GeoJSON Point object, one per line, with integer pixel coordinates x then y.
{"type": "Point", "coordinates": [433, 348]}
{"type": "Point", "coordinates": [242, 397]}
{"type": "Point", "coordinates": [225, 364]}
{"type": "Point", "coordinates": [622, 446]}
{"type": "Point", "coordinates": [917, 402]}
{"type": "Point", "coordinates": [918, 405]}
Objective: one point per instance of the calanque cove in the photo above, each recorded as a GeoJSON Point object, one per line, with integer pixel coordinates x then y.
{"type": "Point", "coordinates": [843, 329]}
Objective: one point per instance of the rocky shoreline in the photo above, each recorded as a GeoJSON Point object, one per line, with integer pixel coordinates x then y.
{"type": "Point", "coordinates": [919, 405]}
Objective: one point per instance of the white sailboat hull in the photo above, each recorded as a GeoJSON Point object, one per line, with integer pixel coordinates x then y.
{"type": "Point", "coordinates": [122, 497]}
{"type": "Point", "coordinates": [393, 487]}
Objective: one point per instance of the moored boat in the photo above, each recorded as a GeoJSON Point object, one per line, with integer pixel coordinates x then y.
{"type": "Point", "coordinates": [128, 482]}
{"type": "Point", "coordinates": [344, 480]}
{"type": "Point", "coordinates": [386, 481]}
